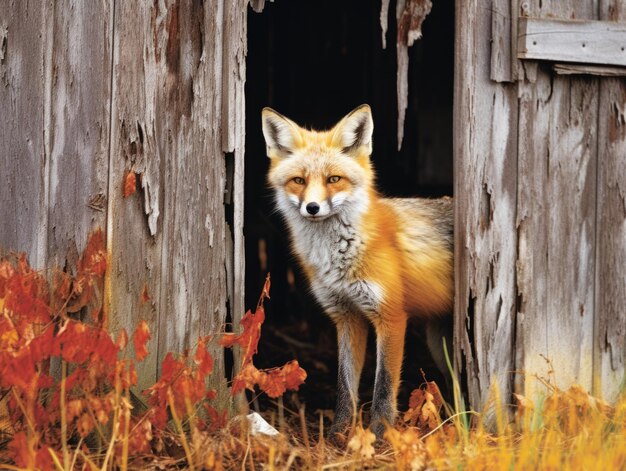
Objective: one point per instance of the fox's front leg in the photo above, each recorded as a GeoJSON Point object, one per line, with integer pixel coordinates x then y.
{"type": "Point", "coordinates": [352, 340]}
{"type": "Point", "coordinates": [389, 353]}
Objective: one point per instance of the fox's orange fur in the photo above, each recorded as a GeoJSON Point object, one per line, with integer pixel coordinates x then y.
{"type": "Point", "coordinates": [369, 259]}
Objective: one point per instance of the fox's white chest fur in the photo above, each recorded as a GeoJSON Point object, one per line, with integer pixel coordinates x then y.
{"type": "Point", "coordinates": [333, 249]}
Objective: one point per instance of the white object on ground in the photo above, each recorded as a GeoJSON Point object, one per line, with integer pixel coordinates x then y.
{"type": "Point", "coordinates": [259, 425]}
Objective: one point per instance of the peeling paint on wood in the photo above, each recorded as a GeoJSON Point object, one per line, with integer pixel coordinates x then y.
{"type": "Point", "coordinates": [384, 21]}
{"type": "Point", "coordinates": [561, 141]}
{"type": "Point", "coordinates": [233, 141]}
{"type": "Point", "coordinates": [178, 105]}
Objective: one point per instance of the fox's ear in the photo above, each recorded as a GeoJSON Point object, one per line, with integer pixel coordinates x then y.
{"type": "Point", "coordinates": [355, 131]}
{"type": "Point", "coordinates": [282, 135]}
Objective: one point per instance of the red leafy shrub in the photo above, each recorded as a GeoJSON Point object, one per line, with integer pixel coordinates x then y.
{"type": "Point", "coordinates": [275, 381]}
{"type": "Point", "coordinates": [67, 386]}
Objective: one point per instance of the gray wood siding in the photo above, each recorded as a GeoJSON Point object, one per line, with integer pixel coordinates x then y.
{"type": "Point", "coordinates": [76, 119]}
{"type": "Point", "coordinates": [24, 155]}
{"type": "Point", "coordinates": [560, 292]}
{"type": "Point", "coordinates": [92, 92]}
{"type": "Point", "coordinates": [485, 186]}
{"type": "Point", "coordinates": [610, 288]}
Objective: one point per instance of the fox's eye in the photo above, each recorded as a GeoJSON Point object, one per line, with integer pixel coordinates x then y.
{"type": "Point", "coordinates": [334, 179]}
{"type": "Point", "coordinates": [298, 180]}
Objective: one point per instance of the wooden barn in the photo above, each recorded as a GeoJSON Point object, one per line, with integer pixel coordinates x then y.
{"type": "Point", "coordinates": [516, 108]}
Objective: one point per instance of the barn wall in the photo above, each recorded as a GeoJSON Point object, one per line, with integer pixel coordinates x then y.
{"type": "Point", "coordinates": [610, 284]}
{"type": "Point", "coordinates": [541, 241]}
{"type": "Point", "coordinates": [23, 153]}
{"type": "Point", "coordinates": [485, 185]}
{"type": "Point", "coordinates": [92, 92]}
{"type": "Point", "coordinates": [558, 160]}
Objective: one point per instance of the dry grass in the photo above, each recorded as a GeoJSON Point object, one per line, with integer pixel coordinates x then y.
{"type": "Point", "coordinates": [87, 417]}
{"type": "Point", "coordinates": [566, 430]}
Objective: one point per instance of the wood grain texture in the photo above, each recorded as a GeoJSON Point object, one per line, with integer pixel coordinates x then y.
{"type": "Point", "coordinates": [581, 69]}
{"type": "Point", "coordinates": [77, 123]}
{"type": "Point", "coordinates": [171, 125]}
{"type": "Point", "coordinates": [233, 142]}
{"type": "Point", "coordinates": [610, 294]}
{"type": "Point", "coordinates": [556, 221]}
{"type": "Point", "coordinates": [501, 25]}
{"type": "Point", "coordinates": [485, 154]}
{"type": "Point", "coordinates": [24, 158]}
{"type": "Point", "coordinates": [133, 239]}
{"type": "Point", "coordinates": [566, 40]}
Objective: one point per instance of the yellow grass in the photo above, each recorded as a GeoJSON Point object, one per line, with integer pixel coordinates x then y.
{"type": "Point", "coordinates": [566, 430]}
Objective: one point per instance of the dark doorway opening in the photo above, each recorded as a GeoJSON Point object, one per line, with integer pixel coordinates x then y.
{"type": "Point", "coordinates": [314, 62]}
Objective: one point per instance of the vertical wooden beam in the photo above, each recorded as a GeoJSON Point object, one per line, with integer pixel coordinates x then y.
{"type": "Point", "coordinates": [78, 71]}
{"type": "Point", "coordinates": [556, 221]}
{"type": "Point", "coordinates": [485, 158]}
{"type": "Point", "coordinates": [501, 31]}
{"type": "Point", "coordinates": [610, 294]}
{"type": "Point", "coordinates": [189, 100]}
{"type": "Point", "coordinates": [234, 138]}
{"type": "Point", "coordinates": [23, 156]}
{"type": "Point", "coordinates": [174, 115]}
{"type": "Point", "coordinates": [134, 238]}
{"type": "Point", "coordinates": [557, 193]}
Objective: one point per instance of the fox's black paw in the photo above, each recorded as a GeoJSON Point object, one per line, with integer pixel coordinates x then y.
{"type": "Point", "coordinates": [378, 427]}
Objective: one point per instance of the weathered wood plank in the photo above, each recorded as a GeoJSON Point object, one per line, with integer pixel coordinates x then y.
{"type": "Point", "coordinates": [193, 286]}
{"type": "Point", "coordinates": [610, 312]}
{"type": "Point", "coordinates": [598, 70]}
{"type": "Point", "coordinates": [485, 157]}
{"type": "Point", "coordinates": [610, 295]}
{"type": "Point", "coordinates": [77, 124]}
{"type": "Point", "coordinates": [583, 41]}
{"type": "Point", "coordinates": [233, 132]}
{"type": "Point", "coordinates": [501, 25]}
{"type": "Point", "coordinates": [167, 110]}
{"type": "Point", "coordinates": [134, 238]}
{"type": "Point", "coordinates": [556, 208]}
{"type": "Point", "coordinates": [23, 156]}
{"type": "Point", "coordinates": [556, 222]}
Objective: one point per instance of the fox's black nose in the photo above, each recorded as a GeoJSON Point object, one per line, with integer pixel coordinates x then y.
{"type": "Point", "coordinates": [312, 208]}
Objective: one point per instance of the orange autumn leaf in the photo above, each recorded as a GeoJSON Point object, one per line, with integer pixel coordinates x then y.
{"type": "Point", "coordinates": [203, 358]}
{"type": "Point", "coordinates": [273, 382]}
{"type": "Point", "coordinates": [88, 284]}
{"type": "Point", "coordinates": [140, 339]}
{"type": "Point", "coordinates": [251, 322]}
{"type": "Point", "coordinates": [94, 259]}
{"type": "Point", "coordinates": [130, 183]}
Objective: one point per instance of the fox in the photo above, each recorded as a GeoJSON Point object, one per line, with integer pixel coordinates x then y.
{"type": "Point", "coordinates": [368, 259]}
